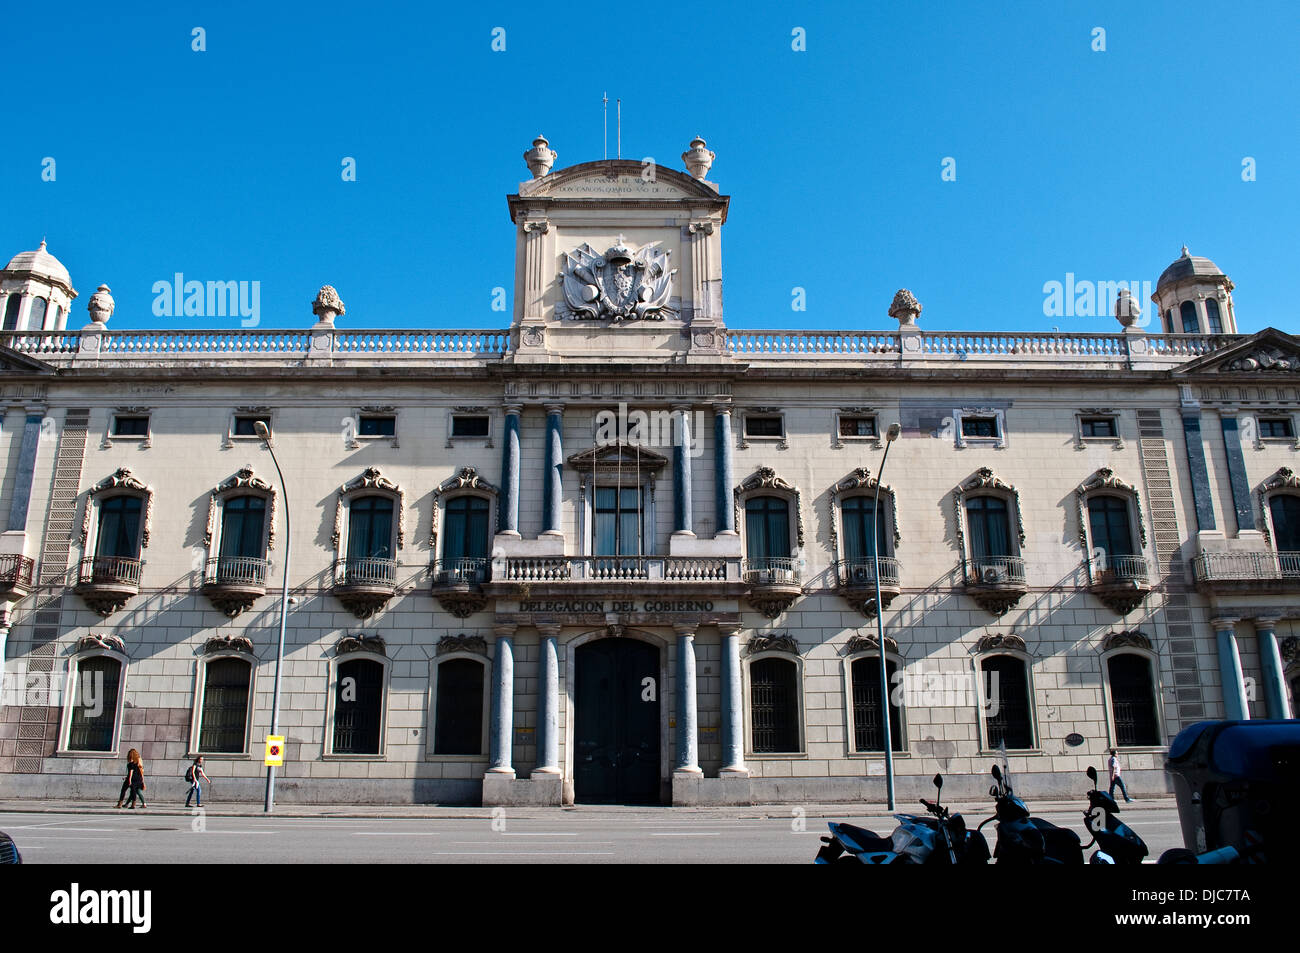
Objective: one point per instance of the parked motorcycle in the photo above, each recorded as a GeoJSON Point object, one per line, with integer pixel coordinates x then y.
{"type": "Point", "coordinates": [939, 837]}
{"type": "Point", "coordinates": [1023, 839]}
{"type": "Point", "coordinates": [1117, 843]}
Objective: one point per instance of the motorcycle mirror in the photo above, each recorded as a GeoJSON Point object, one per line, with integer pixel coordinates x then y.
{"type": "Point", "coordinates": [1092, 775]}
{"type": "Point", "coordinates": [938, 781]}
{"type": "Point", "coordinates": [997, 773]}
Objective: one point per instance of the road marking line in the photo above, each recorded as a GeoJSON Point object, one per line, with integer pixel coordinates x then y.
{"type": "Point", "coordinates": [691, 834]}
{"type": "Point", "coordinates": [394, 833]}
{"type": "Point", "coordinates": [546, 834]}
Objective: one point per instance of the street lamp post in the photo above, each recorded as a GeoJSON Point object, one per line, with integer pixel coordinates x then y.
{"type": "Point", "coordinates": [890, 436]}
{"type": "Point", "coordinates": [265, 434]}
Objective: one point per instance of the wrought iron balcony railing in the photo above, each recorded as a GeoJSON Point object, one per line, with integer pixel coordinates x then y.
{"type": "Point", "coordinates": [109, 571]}
{"type": "Point", "coordinates": [366, 571]}
{"type": "Point", "coordinates": [543, 569]}
{"type": "Point", "coordinates": [771, 571]}
{"type": "Point", "coordinates": [464, 571]}
{"type": "Point", "coordinates": [245, 571]}
{"type": "Point", "coordinates": [861, 573]}
{"type": "Point", "coordinates": [995, 571]}
{"type": "Point", "coordinates": [1246, 566]}
{"type": "Point", "coordinates": [1118, 570]}
{"type": "Point", "coordinates": [16, 572]}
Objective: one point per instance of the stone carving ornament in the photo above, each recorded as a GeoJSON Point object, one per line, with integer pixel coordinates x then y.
{"type": "Point", "coordinates": [905, 308]}
{"type": "Point", "coordinates": [1264, 359]}
{"type": "Point", "coordinates": [98, 641]}
{"type": "Point", "coordinates": [772, 643]}
{"type": "Point", "coordinates": [328, 305]}
{"type": "Point", "coordinates": [361, 643]}
{"type": "Point", "coordinates": [100, 305]}
{"type": "Point", "coordinates": [623, 284]}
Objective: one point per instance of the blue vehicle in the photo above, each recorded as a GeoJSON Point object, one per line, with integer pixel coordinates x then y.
{"type": "Point", "coordinates": [939, 837]}
{"type": "Point", "coordinates": [1117, 843]}
{"type": "Point", "coordinates": [1023, 839]}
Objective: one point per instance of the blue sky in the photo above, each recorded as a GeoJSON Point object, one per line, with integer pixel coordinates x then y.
{"type": "Point", "coordinates": [225, 164]}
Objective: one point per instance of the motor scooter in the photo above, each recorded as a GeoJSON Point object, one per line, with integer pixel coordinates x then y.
{"type": "Point", "coordinates": [1117, 843]}
{"type": "Point", "coordinates": [1023, 839]}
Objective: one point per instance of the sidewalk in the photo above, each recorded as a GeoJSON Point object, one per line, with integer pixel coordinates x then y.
{"type": "Point", "coordinates": [434, 811]}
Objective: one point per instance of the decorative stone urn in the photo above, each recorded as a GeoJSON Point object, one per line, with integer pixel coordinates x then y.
{"type": "Point", "coordinates": [100, 306]}
{"type": "Point", "coordinates": [540, 157]}
{"type": "Point", "coordinates": [905, 308]}
{"type": "Point", "coordinates": [327, 306]}
{"type": "Point", "coordinates": [1128, 310]}
{"type": "Point", "coordinates": [698, 159]}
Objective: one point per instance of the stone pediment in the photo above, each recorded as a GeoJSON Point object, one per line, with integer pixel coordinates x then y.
{"type": "Point", "coordinates": [15, 362]}
{"type": "Point", "coordinates": [618, 179]}
{"type": "Point", "coordinates": [1268, 353]}
{"type": "Point", "coordinates": [619, 458]}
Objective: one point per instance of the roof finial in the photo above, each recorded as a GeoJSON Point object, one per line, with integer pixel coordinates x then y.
{"type": "Point", "coordinates": [42, 248]}
{"type": "Point", "coordinates": [1185, 252]}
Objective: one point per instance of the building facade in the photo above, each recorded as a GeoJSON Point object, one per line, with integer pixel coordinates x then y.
{"type": "Point", "coordinates": [622, 552]}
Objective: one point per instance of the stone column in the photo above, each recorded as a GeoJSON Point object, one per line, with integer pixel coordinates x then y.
{"type": "Point", "coordinates": [688, 748]}
{"type": "Point", "coordinates": [552, 487]}
{"type": "Point", "coordinates": [733, 709]}
{"type": "Point", "coordinates": [1230, 674]}
{"type": "Point", "coordinates": [503, 702]}
{"type": "Point", "coordinates": [683, 521]}
{"type": "Point", "coordinates": [1270, 660]}
{"type": "Point", "coordinates": [508, 520]}
{"type": "Point", "coordinates": [548, 701]}
{"type": "Point", "coordinates": [723, 471]}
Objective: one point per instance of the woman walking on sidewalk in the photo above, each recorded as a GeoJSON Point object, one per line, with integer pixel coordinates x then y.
{"type": "Point", "coordinates": [135, 778]}
{"type": "Point", "coordinates": [131, 755]}
{"type": "Point", "coordinates": [192, 775]}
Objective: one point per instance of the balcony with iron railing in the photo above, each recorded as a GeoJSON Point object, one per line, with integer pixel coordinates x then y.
{"type": "Point", "coordinates": [234, 583]}
{"type": "Point", "coordinates": [108, 582]}
{"type": "Point", "coordinates": [15, 576]}
{"type": "Point", "coordinates": [364, 584]}
{"type": "Point", "coordinates": [614, 576]}
{"type": "Point", "coordinates": [774, 583]}
{"type": "Point", "coordinates": [1244, 572]}
{"type": "Point", "coordinates": [855, 580]}
{"type": "Point", "coordinates": [458, 584]}
{"type": "Point", "coordinates": [1121, 582]}
{"type": "Point", "coordinates": [996, 582]}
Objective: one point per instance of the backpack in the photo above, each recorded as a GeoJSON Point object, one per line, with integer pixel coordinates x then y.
{"type": "Point", "coordinates": [189, 774]}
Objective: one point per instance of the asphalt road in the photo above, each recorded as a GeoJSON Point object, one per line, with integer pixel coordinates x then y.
{"type": "Point", "coordinates": [534, 836]}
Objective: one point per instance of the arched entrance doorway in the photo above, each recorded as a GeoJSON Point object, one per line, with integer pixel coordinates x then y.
{"type": "Point", "coordinates": [616, 722]}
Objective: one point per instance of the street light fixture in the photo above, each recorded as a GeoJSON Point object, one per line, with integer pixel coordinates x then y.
{"type": "Point", "coordinates": [890, 436]}
{"type": "Point", "coordinates": [265, 433]}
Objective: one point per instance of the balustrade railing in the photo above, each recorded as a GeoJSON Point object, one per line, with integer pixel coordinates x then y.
{"type": "Point", "coordinates": [811, 343]}
{"type": "Point", "coordinates": [615, 568]}
{"type": "Point", "coordinates": [1246, 566]}
{"type": "Point", "coordinates": [468, 343]}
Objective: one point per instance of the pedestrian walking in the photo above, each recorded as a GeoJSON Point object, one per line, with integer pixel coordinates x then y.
{"type": "Point", "coordinates": [1115, 779]}
{"type": "Point", "coordinates": [135, 779]}
{"type": "Point", "coordinates": [131, 755]}
{"type": "Point", "coordinates": [192, 775]}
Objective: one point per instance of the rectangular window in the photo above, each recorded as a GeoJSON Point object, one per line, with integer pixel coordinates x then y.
{"type": "Point", "coordinates": [763, 426]}
{"type": "Point", "coordinates": [979, 427]}
{"type": "Point", "coordinates": [225, 706]}
{"type": "Point", "coordinates": [94, 704]}
{"type": "Point", "coordinates": [1098, 426]}
{"type": "Point", "coordinates": [1275, 428]}
{"type": "Point", "coordinates": [378, 426]}
{"type": "Point", "coordinates": [469, 426]}
{"type": "Point", "coordinates": [130, 426]}
{"type": "Point", "coordinates": [854, 426]}
{"type": "Point", "coordinates": [246, 424]}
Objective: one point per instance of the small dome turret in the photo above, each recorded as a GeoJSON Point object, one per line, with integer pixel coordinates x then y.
{"type": "Point", "coordinates": [1194, 296]}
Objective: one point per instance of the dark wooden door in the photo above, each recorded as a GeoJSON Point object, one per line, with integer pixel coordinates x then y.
{"type": "Point", "coordinates": [616, 729]}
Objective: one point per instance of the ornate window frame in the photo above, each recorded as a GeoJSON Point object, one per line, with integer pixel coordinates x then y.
{"type": "Point", "coordinates": [860, 483]}
{"type": "Point", "coordinates": [144, 440]}
{"type": "Point", "coordinates": [122, 483]}
{"type": "Point", "coordinates": [215, 650]}
{"type": "Point", "coordinates": [371, 482]}
{"type": "Point", "coordinates": [765, 482]}
{"type": "Point", "coordinates": [868, 647]}
{"type": "Point", "coordinates": [88, 647]}
{"type": "Point", "coordinates": [1285, 482]}
{"type": "Point", "coordinates": [838, 440]}
{"type": "Point", "coordinates": [1270, 413]}
{"type": "Point", "coordinates": [781, 441]}
{"type": "Point", "coordinates": [1131, 643]}
{"type": "Point", "coordinates": [760, 648]}
{"type": "Point", "coordinates": [245, 482]}
{"type": "Point", "coordinates": [628, 463]}
{"type": "Point", "coordinates": [1013, 646]}
{"type": "Point", "coordinates": [450, 648]}
{"type": "Point", "coordinates": [473, 411]}
{"type": "Point", "coordinates": [998, 442]}
{"type": "Point", "coordinates": [467, 482]}
{"type": "Point", "coordinates": [356, 438]}
{"type": "Point", "coordinates": [985, 482]}
{"type": "Point", "coordinates": [1081, 442]}
{"type": "Point", "coordinates": [1105, 483]}
{"type": "Point", "coordinates": [344, 653]}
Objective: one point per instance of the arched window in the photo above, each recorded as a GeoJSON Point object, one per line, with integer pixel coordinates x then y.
{"type": "Point", "coordinates": [92, 700]}
{"type": "Point", "coordinates": [37, 320]}
{"type": "Point", "coordinates": [1108, 522]}
{"type": "Point", "coordinates": [1212, 316]}
{"type": "Point", "coordinates": [1285, 511]}
{"type": "Point", "coordinates": [1008, 715]}
{"type": "Point", "coordinates": [223, 718]}
{"type": "Point", "coordinates": [1133, 700]}
{"type": "Point", "coordinates": [868, 729]}
{"type": "Point", "coordinates": [458, 707]}
{"type": "Point", "coordinates": [774, 705]}
{"type": "Point", "coordinates": [1187, 311]}
{"type": "Point", "coordinates": [57, 318]}
{"type": "Point", "coordinates": [119, 527]}
{"type": "Point", "coordinates": [358, 707]}
{"type": "Point", "coordinates": [12, 305]}
{"type": "Point", "coordinates": [1169, 322]}
{"type": "Point", "coordinates": [767, 528]}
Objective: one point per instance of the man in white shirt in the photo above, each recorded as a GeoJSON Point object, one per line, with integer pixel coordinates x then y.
{"type": "Point", "coordinates": [1113, 765]}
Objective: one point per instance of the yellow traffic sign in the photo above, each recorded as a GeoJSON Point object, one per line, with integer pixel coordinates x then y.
{"type": "Point", "coordinates": [274, 751]}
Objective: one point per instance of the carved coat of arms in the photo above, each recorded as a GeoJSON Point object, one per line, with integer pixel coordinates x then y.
{"type": "Point", "coordinates": [623, 284]}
